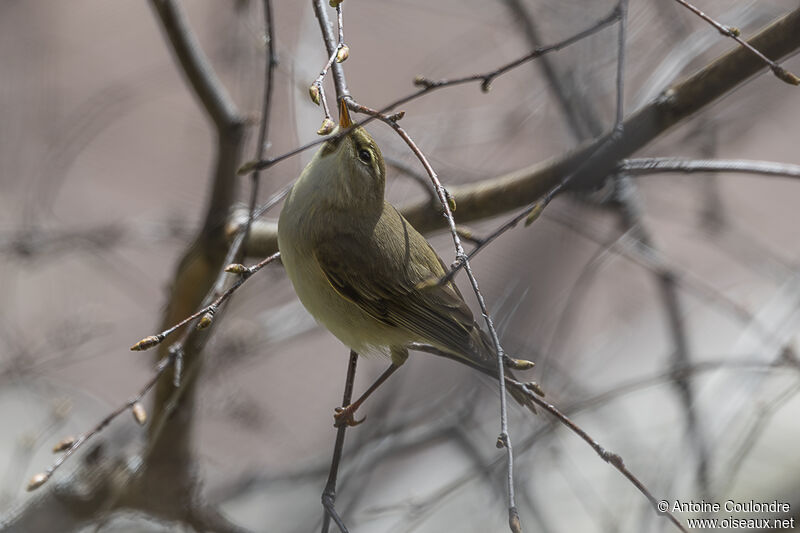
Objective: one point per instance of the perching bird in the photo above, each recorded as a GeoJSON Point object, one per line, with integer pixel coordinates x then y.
{"type": "Point", "coordinates": [365, 273]}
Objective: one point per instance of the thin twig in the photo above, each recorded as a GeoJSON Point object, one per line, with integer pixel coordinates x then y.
{"type": "Point", "coordinates": [734, 33]}
{"type": "Point", "coordinates": [430, 501]}
{"type": "Point", "coordinates": [332, 45]}
{"type": "Point", "coordinates": [655, 165]}
{"type": "Point", "coordinates": [209, 310]}
{"type": "Point", "coordinates": [487, 78]}
{"type": "Point", "coordinates": [139, 413]}
{"type": "Point", "coordinates": [329, 493]}
{"type": "Point", "coordinates": [608, 456]}
{"type": "Point", "coordinates": [334, 48]}
{"type": "Point", "coordinates": [320, 90]}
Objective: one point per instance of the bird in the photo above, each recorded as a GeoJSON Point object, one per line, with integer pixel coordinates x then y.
{"type": "Point", "coordinates": [363, 271]}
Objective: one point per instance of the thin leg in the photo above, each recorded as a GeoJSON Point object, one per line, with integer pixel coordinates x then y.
{"type": "Point", "coordinates": [344, 415]}
{"type": "Point", "coordinates": [329, 493]}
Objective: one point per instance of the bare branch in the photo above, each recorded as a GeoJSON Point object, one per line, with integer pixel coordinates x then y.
{"type": "Point", "coordinates": [331, 45]}
{"type": "Point", "coordinates": [329, 494]}
{"type": "Point", "coordinates": [734, 33]}
{"type": "Point", "coordinates": [656, 165]}
{"type": "Point", "coordinates": [610, 457]}
{"type": "Point", "coordinates": [487, 78]}
{"type": "Point", "coordinates": [71, 445]}
{"type": "Point", "coordinates": [211, 309]}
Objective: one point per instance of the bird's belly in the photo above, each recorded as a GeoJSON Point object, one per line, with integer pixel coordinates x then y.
{"type": "Point", "coordinates": [340, 316]}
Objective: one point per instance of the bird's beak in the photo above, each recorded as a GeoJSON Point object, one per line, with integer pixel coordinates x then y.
{"type": "Point", "coordinates": [344, 115]}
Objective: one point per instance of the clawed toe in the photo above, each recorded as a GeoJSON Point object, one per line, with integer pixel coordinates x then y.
{"type": "Point", "coordinates": [343, 416]}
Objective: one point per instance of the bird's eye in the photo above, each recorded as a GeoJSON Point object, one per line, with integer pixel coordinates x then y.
{"type": "Point", "coordinates": [364, 155]}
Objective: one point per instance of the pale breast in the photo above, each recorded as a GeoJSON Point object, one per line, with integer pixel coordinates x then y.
{"type": "Point", "coordinates": [340, 316]}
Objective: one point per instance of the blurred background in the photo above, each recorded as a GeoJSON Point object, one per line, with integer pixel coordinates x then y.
{"type": "Point", "coordinates": [678, 354]}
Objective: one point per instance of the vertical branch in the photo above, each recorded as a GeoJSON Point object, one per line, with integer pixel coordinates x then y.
{"type": "Point", "coordinates": [329, 494]}
{"type": "Point", "coordinates": [317, 89]}
{"type": "Point", "coordinates": [330, 45]}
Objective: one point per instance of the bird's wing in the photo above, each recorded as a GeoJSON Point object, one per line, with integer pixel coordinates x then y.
{"type": "Point", "coordinates": [388, 274]}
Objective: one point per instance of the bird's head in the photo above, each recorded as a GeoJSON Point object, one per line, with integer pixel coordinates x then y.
{"type": "Point", "coordinates": [357, 160]}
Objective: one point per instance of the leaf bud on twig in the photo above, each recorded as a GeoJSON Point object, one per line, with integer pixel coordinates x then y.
{"type": "Point", "coordinates": [313, 92]}
{"type": "Point", "coordinates": [327, 126]}
{"type": "Point", "coordinates": [139, 414]}
{"type": "Point", "coordinates": [206, 320]}
{"type": "Point", "coordinates": [37, 481]}
{"type": "Point", "coordinates": [146, 343]}
{"type": "Point", "coordinates": [64, 444]}
{"type": "Point", "coordinates": [236, 268]}
{"type": "Point", "coordinates": [343, 53]}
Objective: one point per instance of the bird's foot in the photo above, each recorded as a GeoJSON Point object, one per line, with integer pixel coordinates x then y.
{"type": "Point", "coordinates": [343, 416]}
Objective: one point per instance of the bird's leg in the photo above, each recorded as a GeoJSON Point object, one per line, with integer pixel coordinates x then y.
{"type": "Point", "coordinates": [344, 415]}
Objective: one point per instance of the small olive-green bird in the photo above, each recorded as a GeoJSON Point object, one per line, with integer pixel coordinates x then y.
{"type": "Point", "coordinates": [364, 272]}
